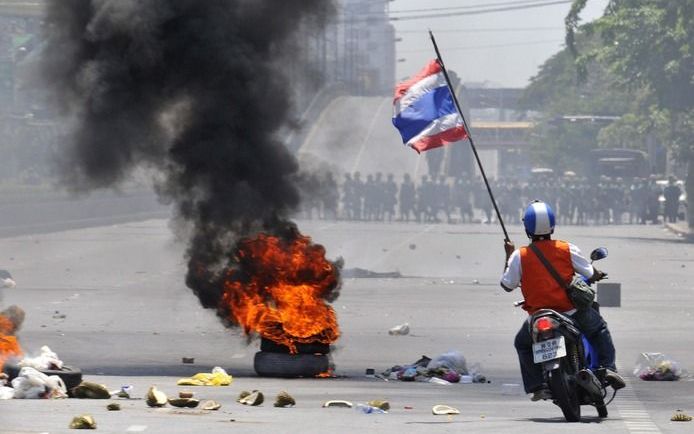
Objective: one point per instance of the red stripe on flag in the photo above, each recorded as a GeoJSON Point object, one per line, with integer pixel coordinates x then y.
{"type": "Point", "coordinates": [432, 68]}
{"type": "Point", "coordinates": [438, 140]}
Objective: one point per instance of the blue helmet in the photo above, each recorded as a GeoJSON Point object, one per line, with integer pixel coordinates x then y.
{"type": "Point", "coordinates": [538, 219]}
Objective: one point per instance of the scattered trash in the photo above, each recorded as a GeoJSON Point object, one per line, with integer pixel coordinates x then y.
{"type": "Point", "coordinates": [383, 405]}
{"type": "Point", "coordinates": [367, 409]}
{"type": "Point", "coordinates": [7, 283]}
{"type": "Point", "coordinates": [3, 379]}
{"type": "Point", "coordinates": [400, 330]}
{"type": "Point", "coordinates": [211, 405]}
{"type": "Point", "coordinates": [475, 282]}
{"type": "Point", "coordinates": [338, 403]}
{"type": "Point", "coordinates": [83, 422]}
{"type": "Point", "coordinates": [218, 377]}
{"type": "Point", "coordinates": [47, 359]}
{"type": "Point", "coordinates": [254, 398]}
{"type": "Point", "coordinates": [185, 394]}
{"type": "Point", "coordinates": [6, 392]}
{"type": "Point", "coordinates": [155, 397]}
{"type": "Point", "coordinates": [188, 360]}
{"type": "Point", "coordinates": [440, 381]}
{"type": "Point", "coordinates": [58, 315]}
{"type": "Point", "coordinates": [370, 372]}
{"type": "Point", "coordinates": [124, 392]}
{"type": "Point", "coordinates": [681, 416]}
{"type": "Point", "coordinates": [408, 407]}
{"type": "Point", "coordinates": [657, 367]}
{"type": "Point", "coordinates": [184, 402]}
{"type": "Point", "coordinates": [87, 390]}
{"type": "Point", "coordinates": [443, 410]}
{"type": "Point", "coordinates": [445, 369]}
{"type": "Point", "coordinates": [284, 400]}
{"type": "Point", "coordinates": [32, 384]}
{"type": "Point", "coordinates": [114, 406]}
{"type": "Point", "coordinates": [413, 246]}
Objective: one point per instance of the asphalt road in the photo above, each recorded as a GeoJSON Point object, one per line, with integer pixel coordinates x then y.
{"type": "Point", "coordinates": [129, 319]}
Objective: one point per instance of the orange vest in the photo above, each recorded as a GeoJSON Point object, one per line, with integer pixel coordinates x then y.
{"type": "Point", "coordinates": [539, 288]}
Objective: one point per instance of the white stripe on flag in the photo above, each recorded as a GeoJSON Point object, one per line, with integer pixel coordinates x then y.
{"type": "Point", "coordinates": [437, 127]}
{"type": "Point", "coordinates": [417, 90]}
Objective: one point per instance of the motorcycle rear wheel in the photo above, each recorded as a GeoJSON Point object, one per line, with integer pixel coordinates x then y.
{"type": "Point", "coordinates": [564, 392]}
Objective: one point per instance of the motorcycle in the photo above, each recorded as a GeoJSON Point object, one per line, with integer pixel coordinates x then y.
{"type": "Point", "coordinates": [569, 362]}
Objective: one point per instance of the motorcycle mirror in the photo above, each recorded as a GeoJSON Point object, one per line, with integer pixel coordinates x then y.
{"type": "Point", "coordinates": [599, 253]}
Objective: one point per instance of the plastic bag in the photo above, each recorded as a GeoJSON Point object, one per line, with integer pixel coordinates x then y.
{"type": "Point", "coordinates": [657, 367]}
{"type": "Point", "coordinates": [32, 384]}
{"type": "Point", "coordinates": [6, 392]}
{"type": "Point", "coordinates": [46, 360]}
{"type": "Point", "coordinates": [452, 360]}
{"type": "Point", "coordinates": [218, 377]}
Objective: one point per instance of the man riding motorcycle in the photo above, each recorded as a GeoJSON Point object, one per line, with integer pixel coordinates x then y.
{"type": "Point", "coordinates": [541, 291]}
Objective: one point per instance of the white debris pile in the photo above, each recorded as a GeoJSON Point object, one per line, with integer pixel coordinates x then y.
{"type": "Point", "coordinates": [32, 384]}
{"type": "Point", "coordinates": [47, 359]}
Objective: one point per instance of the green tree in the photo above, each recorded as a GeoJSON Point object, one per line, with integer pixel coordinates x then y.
{"type": "Point", "coordinates": [646, 48]}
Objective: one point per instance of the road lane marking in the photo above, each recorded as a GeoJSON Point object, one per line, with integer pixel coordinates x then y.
{"type": "Point", "coordinates": [635, 416]}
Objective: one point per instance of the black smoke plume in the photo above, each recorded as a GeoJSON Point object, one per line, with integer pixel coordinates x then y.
{"type": "Point", "coordinates": [194, 88]}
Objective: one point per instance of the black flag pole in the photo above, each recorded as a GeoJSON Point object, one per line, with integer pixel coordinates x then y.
{"type": "Point", "coordinates": [469, 134]}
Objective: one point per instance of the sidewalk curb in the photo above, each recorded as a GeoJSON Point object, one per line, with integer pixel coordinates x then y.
{"type": "Point", "coordinates": [684, 233]}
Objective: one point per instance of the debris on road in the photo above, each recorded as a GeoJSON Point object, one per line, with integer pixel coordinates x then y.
{"type": "Point", "coordinates": [681, 416]}
{"type": "Point", "coordinates": [284, 399]}
{"type": "Point", "coordinates": [32, 384]}
{"type": "Point", "coordinates": [253, 398]}
{"type": "Point", "coordinates": [400, 330]}
{"type": "Point", "coordinates": [211, 405]}
{"type": "Point", "coordinates": [361, 273]}
{"type": "Point", "coordinates": [88, 390]}
{"type": "Point", "coordinates": [184, 402]}
{"type": "Point", "coordinates": [218, 377]}
{"type": "Point", "coordinates": [447, 368]}
{"type": "Point", "coordinates": [382, 404]}
{"type": "Point", "coordinates": [444, 410]}
{"type": "Point", "coordinates": [155, 397]}
{"type": "Point", "coordinates": [123, 392]}
{"type": "Point", "coordinates": [6, 393]}
{"type": "Point", "coordinates": [367, 409]}
{"type": "Point", "coordinates": [83, 422]}
{"type": "Point", "coordinates": [114, 406]}
{"type": "Point", "coordinates": [338, 403]}
{"type": "Point", "coordinates": [188, 360]}
{"type": "Point", "coordinates": [657, 367]}
{"type": "Point", "coordinates": [185, 394]}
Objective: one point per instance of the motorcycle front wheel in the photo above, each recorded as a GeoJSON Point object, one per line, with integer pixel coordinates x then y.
{"type": "Point", "coordinates": [563, 387]}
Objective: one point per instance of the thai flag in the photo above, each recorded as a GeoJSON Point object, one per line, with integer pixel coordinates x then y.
{"type": "Point", "coordinates": [424, 111]}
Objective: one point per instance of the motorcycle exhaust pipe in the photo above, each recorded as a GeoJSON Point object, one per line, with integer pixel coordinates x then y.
{"type": "Point", "coordinates": [588, 381]}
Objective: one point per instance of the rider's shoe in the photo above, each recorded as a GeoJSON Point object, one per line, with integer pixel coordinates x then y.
{"type": "Point", "coordinates": [541, 395]}
{"type": "Point", "coordinates": [614, 379]}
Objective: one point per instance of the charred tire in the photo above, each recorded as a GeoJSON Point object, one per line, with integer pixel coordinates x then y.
{"type": "Point", "coordinates": [564, 392]}
{"type": "Point", "coordinates": [290, 365]}
{"type": "Point", "coordinates": [72, 377]}
{"type": "Point", "coordinates": [313, 348]}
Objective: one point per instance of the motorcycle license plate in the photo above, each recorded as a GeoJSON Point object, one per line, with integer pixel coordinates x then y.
{"type": "Point", "coordinates": [549, 350]}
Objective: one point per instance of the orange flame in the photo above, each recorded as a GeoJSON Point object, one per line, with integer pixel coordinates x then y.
{"type": "Point", "coordinates": [279, 291]}
{"type": "Point", "coordinates": [9, 346]}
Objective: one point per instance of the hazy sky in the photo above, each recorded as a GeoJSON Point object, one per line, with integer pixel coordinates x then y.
{"type": "Point", "coordinates": [486, 47]}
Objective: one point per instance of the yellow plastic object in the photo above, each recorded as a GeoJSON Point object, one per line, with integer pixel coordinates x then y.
{"type": "Point", "coordinates": [218, 377]}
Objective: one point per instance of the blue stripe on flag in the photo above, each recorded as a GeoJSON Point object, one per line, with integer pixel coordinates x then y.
{"type": "Point", "coordinates": [431, 106]}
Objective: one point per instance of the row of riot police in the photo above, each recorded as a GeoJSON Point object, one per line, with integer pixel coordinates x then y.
{"type": "Point", "coordinates": [577, 201]}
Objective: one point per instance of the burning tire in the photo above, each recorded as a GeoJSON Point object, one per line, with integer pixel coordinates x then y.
{"type": "Point", "coordinates": [267, 364]}
{"type": "Point", "coordinates": [313, 348]}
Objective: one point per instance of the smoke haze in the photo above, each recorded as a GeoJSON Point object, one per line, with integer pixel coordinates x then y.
{"type": "Point", "coordinates": [193, 88]}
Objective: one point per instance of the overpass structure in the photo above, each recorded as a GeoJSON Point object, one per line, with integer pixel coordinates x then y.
{"type": "Point", "coordinates": [22, 8]}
